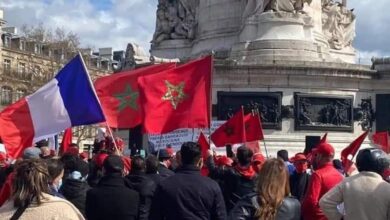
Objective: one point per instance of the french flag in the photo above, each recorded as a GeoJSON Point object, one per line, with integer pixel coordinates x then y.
{"type": "Point", "coordinates": [66, 101]}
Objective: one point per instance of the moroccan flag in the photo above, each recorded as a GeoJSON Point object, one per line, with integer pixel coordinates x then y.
{"type": "Point", "coordinates": [352, 149]}
{"type": "Point", "coordinates": [231, 132]}
{"type": "Point", "coordinates": [204, 145]}
{"type": "Point", "coordinates": [382, 139]}
{"type": "Point", "coordinates": [253, 128]}
{"type": "Point", "coordinates": [119, 95]}
{"type": "Point", "coordinates": [66, 141]}
{"type": "Point", "coordinates": [177, 98]}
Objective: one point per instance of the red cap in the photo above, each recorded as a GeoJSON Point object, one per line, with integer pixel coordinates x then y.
{"type": "Point", "coordinates": [298, 157]}
{"type": "Point", "coordinates": [73, 151]}
{"type": "Point", "coordinates": [100, 159]}
{"type": "Point", "coordinates": [259, 157]}
{"type": "Point", "coordinates": [83, 155]}
{"type": "Point", "coordinates": [120, 144]}
{"type": "Point", "coordinates": [324, 149]}
{"type": "Point", "coordinates": [224, 161]}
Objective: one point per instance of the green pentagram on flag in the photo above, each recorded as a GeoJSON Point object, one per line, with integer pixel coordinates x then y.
{"type": "Point", "coordinates": [127, 98]}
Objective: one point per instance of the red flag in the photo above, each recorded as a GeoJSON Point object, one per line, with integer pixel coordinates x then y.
{"type": "Point", "coordinates": [177, 98]}
{"type": "Point", "coordinates": [382, 139]}
{"type": "Point", "coordinates": [253, 128]}
{"type": "Point", "coordinates": [204, 145]}
{"type": "Point", "coordinates": [231, 132]}
{"type": "Point", "coordinates": [66, 141]}
{"type": "Point", "coordinates": [119, 95]}
{"type": "Point", "coordinates": [324, 138]}
{"type": "Point", "coordinates": [352, 149]}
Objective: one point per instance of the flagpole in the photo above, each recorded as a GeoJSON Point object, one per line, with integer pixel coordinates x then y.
{"type": "Point", "coordinates": [113, 139]}
{"type": "Point", "coordinates": [243, 123]}
{"type": "Point", "coordinates": [261, 127]}
{"type": "Point", "coordinates": [193, 134]}
{"type": "Point", "coordinates": [158, 147]}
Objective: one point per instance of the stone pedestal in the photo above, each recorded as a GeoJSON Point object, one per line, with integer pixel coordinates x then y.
{"type": "Point", "coordinates": [277, 36]}
{"type": "Point", "coordinates": [171, 49]}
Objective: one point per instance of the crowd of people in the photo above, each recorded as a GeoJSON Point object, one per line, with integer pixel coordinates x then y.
{"type": "Point", "coordinates": [189, 184]}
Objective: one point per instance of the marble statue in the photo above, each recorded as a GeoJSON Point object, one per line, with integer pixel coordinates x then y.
{"type": "Point", "coordinates": [129, 61]}
{"type": "Point", "coordinates": [338, 25]}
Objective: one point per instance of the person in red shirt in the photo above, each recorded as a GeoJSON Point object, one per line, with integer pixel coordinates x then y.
{"type": "Point", "coordinates": [322, 180]}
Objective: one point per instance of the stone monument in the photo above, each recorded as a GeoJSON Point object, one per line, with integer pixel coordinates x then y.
{"type": "Point", "coordinates": [250, 31]}
{"type": "Point", "coordinates": [292, 60]}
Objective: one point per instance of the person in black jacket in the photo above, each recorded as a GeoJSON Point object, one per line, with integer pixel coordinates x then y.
{"type": "Point", "coordinates": [152, 168]}
{"type": "Point", "coordinates": [112, 199]}
{"type": "Point", "coordinates": [187, 194]}
{"type": "Point", "coordinates": [145, 186]}
{"type": "Point", "coordinates": [299, 180]}
{"type": "Point", "coordinates": [75, 186]}
{"type": "Point", "coordinates": [165, 162]}
{"type": "Point", "coordinates": [272, 199]}
{"type": "Point", "coordinates": [237, 181]}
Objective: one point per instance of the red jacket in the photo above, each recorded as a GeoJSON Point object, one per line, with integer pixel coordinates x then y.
{"type": "Point", "coordinates": [321, 182]}
{"type": "Point", "coordinates": [5, 192]}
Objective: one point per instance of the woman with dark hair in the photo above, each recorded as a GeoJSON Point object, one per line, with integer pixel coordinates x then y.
{"type": "Point", "coordinates": [31, 199]}
{"type": "Point", "coordinates": [272, 200]}
{"type": "Point", "coordinates": [56, 172]}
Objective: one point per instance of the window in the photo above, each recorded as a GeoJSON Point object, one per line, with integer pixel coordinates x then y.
{"type": "Point", "coordinates": [22, 45]}
{"type": "Point", "coordinates": [6, 41]}
{"type": "Point", "coordinates": [37, 48]}
{"type": "Point", "coordinates": [7, 65]}
{"type": "Point", "coordinates": [20, 93]}
{"type": "Point", "coordinates": [6, 95]}
{"type": "Point", "coordinates": [21, 68]}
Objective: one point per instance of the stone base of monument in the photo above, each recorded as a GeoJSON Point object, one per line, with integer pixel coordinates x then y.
{"type": "Point", "coordinates": [347, 55]}
{"type": "Point", "coordinates": [278, 36]}
{"type": "Point", "coordinates": [171, 49]}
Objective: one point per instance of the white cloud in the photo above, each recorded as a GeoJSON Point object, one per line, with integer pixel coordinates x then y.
{"type": "Point", "coordinates": [126, 21]}
{"type": "Point", "coordinates": [134, 21]}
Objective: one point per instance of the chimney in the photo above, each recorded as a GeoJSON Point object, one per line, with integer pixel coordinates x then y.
{"type": "Point", "coordinates": [345, 3]}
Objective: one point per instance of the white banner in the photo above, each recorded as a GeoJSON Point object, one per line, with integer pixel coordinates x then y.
{"type": "Point", "coordinates": [178, 137]}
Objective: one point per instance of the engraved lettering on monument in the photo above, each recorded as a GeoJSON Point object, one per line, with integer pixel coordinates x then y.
{"type": "Point", "coordinates": [267, 104]}
{"type": "Point", "coordinates": [321, 112]}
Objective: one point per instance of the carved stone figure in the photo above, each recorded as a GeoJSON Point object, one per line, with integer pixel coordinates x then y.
{"type": "Point", "coordinates": [254, 7]}
{"type": "Point", "coordinates": [129, 62]}
{"type": "Point", "coordinates": [338, 24]}
{"type": "Point", "coordinates": [175, 20]}
{"type": "Point", "coordinates": [304, 112]}
{"type": "Point", "coordinates": [367, 114]}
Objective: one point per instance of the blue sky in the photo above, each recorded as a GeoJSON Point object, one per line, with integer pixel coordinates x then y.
{"type": "Point", "coordinates": [114, 23]}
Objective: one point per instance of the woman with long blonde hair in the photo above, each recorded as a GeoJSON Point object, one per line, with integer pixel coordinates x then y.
{"type": "Point", "coordinates": [272, 199]}
{"type": "Point", "coordinates": [30, 197]}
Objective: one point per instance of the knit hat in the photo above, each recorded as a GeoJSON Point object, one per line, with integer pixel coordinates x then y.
{"type": "Point", "coordinates": [31, 153]}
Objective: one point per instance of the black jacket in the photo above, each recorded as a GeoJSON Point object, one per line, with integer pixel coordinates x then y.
{"type": "Point", "coordinates": [146, 188]}
{"type": "Point", "coordinates": [188, 196]}
{"type": "Point", "coordinates": [112, 199]}
{"type": "Point", "coordinates": [164, 172]}
{"type": "Point", "coordinates": [75, 191]}
{"type": "Point", "coordinates": [298, 184]}
{"type": "Point", "coordinates": [246, 208]}
{"type": "Point", "coordinates": [234, 186]}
